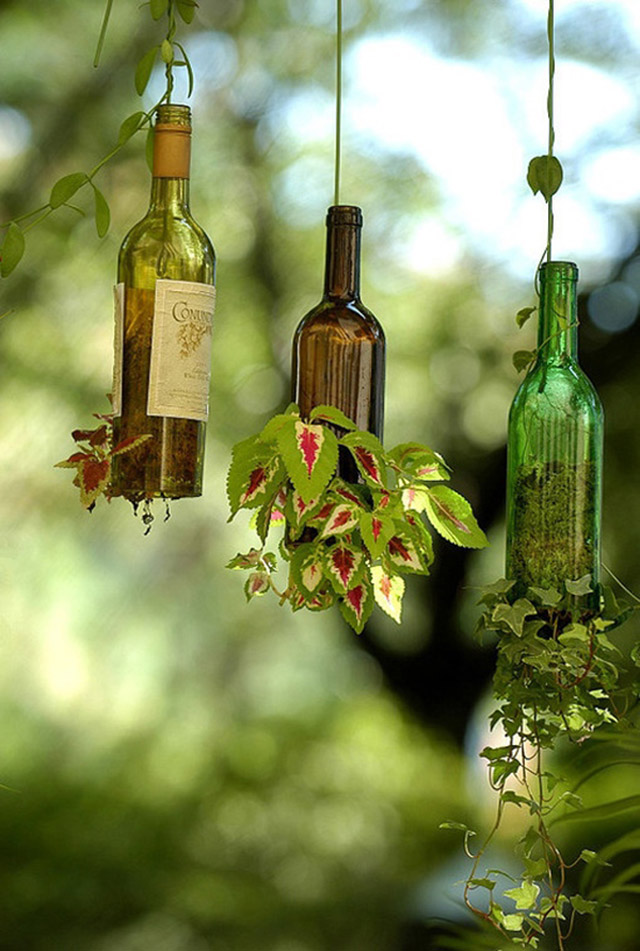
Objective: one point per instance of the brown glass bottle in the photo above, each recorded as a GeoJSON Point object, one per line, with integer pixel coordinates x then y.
{"type": "Point", "coordinates": [339, 346]}
{"type": "Point", "coordinates": [166, 272]}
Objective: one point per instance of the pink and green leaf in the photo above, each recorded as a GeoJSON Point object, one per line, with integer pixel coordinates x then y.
{"type": "Point", "coordinates": [256, 584]}
{"type": "Point", "coordinates": [451, 516]}
{"type": "Point", "coordinates": [357, 604]}
{"type": "Point", "coordinates": [376, 529]}
{"type": "Point", "coordinates": [310, 454]}
{"type": "Point", "coordinates": [368, 454]}
{"type": "Point", "coordinates": [404, 555]}
{"type": "Point", "coordinates": [251, 559]}
{"type": "Point", "coordinates": [331, 414]}
{"type": "Point", "coordinates": [253, 472]}
{"type": "Point", "coordinates": [344, 566]}
{"type": "Point", "coordinates": [307, 569]}
{"type": "Point", "coordinates": [419, 462]}
{"type": "Point", "coordinates": [388, 591]}
{"type": "Point", "coordinates": [342, 518]}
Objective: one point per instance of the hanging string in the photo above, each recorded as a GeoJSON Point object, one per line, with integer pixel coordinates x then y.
{"type": "Point", "coordinates": [336, 186]}
{"type": "Point", "coordinates": [552, 69]}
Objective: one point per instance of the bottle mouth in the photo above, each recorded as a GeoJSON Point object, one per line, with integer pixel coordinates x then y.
{"type": "Point", "coordinates": [344, 215]}
{"type": "Point", "coordinates": [170, 114]}
{"type": "Point", "coordinates": [563, 270]}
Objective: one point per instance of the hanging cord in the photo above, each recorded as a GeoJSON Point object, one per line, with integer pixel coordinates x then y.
{"type": "Point", "coordinates": [336, 187]}
{"type": "Point", "coordinates": [552, 69]}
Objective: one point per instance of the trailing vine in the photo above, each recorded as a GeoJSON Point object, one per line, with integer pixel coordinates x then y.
{"type": "Point", "coordinates": [13, 244]}
{"type": "Point", "coordinates": [342, 543]}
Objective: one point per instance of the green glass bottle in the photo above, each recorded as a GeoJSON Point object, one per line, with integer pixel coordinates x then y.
{"type": "Point", "coordinates": [165, 298]}
{"type": "Point", "coordinates": [339, 346]}
{"type": "Point", "coordinates": [554, 454]}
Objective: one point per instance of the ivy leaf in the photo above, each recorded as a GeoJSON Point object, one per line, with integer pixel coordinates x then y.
{"type": "Point", "coordinates": [144, 70]}
{"type": "Point", "coordinates": [525, 896]}
{"type": "Point", "coordinates": [451, 516]}
{"type": "Point", "coordinates": [130, 126]}
{"type": "Point", "coordinates": [331, 414]}
{"type": "Point", "coordinates": [544, 175]}
{"type": "Point", "coordinates": [574, 633]}
{"type": "Point", "coordinates": [103, 215]}
{"type": "Point", "coordinates": [12, 249]}
{"type": "Point", "coordinates": [307, 568]}
{"type": "Point", "coordinates": [66, 187]}
{"type": "Point", "coordinates": [522, 359]}
{"type": "Point", "coordinates": [388, 591]}
{"type": "Point", "coordinates": [376, 530]}
{"type": "Point", "coordinates": [580, 587]}
{"type": "Point", "coordinates": [310, 454]}
{"type": "Point", "coordinates": [514, 615]}
{"type": "Point", "coordinates": [357, 605]}
{"type": "Point", "coordinates": [419, 462]}
{"type": "Point", "coordinates": [582, 905]}
{"type": "Point", "coordinates": [548, 597]}
{"type": "Point", "coordinates": [523, 315]}
{"type": "Point", "coordinates": [344, 566]}
{"type": "Point", "coordinates": [368, 453]}
{"type": "Point", "coordinates": [187, 9]}
{"type": "Point", "coordinates": [482, 883]}
{"type": "Point", "coordinates": [158, 8]}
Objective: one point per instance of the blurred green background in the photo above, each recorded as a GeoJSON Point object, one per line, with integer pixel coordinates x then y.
{"type": "Point", "coordinates": [185, 771]}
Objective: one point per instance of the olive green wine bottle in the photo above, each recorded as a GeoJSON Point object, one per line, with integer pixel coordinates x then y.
{"type": "Point", "coordinates": [554, 454]}
{"type": "Point", "coordinates": [165, 300]}
{"type": "Point", "coordinates": [339, 346]}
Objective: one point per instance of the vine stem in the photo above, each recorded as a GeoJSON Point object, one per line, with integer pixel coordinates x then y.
{"type": "Point", "coordinates": [336, 186]}
{"type": "Point", "coordinates": [552, 69]}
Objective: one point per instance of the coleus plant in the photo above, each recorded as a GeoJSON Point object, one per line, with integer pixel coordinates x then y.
{"type": "Point", "coordinates": [344, 543]}
{"type": "Point", "coordinates": [92, 461]}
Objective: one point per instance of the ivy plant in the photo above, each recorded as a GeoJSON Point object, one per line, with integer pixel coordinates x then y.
{"type": "Point", "coordinates": [558, 677]}
{"type": "Point", "coordinates": [343, 543]}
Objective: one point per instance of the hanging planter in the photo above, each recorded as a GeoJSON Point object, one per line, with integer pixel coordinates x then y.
{"type": "Point", "coordinates": [554, 467]}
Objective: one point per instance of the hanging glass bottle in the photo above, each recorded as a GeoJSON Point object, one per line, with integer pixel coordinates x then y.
{"type": "Point", "coordinates": [554, 467]}
{"type": "Point", "coordinates": [164, 311]}
{"type": "Point", "coordinates": [339, 346]}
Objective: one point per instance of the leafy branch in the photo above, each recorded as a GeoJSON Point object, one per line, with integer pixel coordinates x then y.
{"type": "Point", "coordinates": [13, 244]}
{"type": "Point", "coordinates": [343, 543]}
{"type": "Point", "coordinates": [557, 676]}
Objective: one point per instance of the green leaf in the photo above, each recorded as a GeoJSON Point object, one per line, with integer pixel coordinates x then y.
{"type": "Point", "coordinates": [575, 632]}
{"type": "Point", "coordinates": [525, 896]}
{"type": "Point", "coordinates": [187, 64]}
{"type": "Point", "coordinates": [368, 454]}
{"type": "Point", "coordinates": [158, 8]}
{"type": "Point", "coordinates": [419, 462]}
{"type": "Point", "coordinates": [482, 883]}
{"type": "Point", "coordinates": [166, 51]}
{"type": "Point", "coordinates": [330, 414]}
{"type": "Point", "coordinates": [513, 615]}
{"type": "Point", "coordinates": [456, 826]}
{"type": "Point", "coordinates": [524, 314]}
{"type": "Point", "coordinates": [536, 868]}
{"type": "Point", "coordinates": [544, 175]}
{"type": "Point", "coordinates": [270, 430]}
{"type": "Point", "coordinates": [103, 215]}
{"type": "Point", "coordinates": [522, 359]}
{"type": "Point", "coordinates": [451, 516]}
{"type": "Point", "coordinates": [310, 454]}
{"type": "Point", "coordinates": [388, 591]}
{"type": "Point", "coordinates": [187, 9]}
{"type": "Point", "coordinates": [12, 249]}
{"type": "Point", "coordinates": [582, 905]}
{"type": "Point", "coordinates": [130, 126]}
{"type": "Point", "coordinates": [580, 587]}
{"type": "Point", "coordinates": [548, 597]}
{"type": "Point", "coordinates": [144, 70]}
{"type": "Point", "coordinates": [608, 810]}
{"type": "Point", "coordinates": [253, 471]}
{"type": "Point", "coordinates": [66, 187]}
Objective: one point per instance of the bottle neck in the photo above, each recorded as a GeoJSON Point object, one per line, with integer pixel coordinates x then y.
{"type": "Point", "coordinates": [342, 264]}
{"type": "Point", "coordinates": [558, 326]}
{"type": "Point", "coordinates": [169, 194]}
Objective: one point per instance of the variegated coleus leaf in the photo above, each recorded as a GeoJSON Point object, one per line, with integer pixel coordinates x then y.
{"type": "Point", "coordinates": [341, 519]}
{"type": "Point", "coordinates": [344, 566]}
{"type": "Point", "coordinates": [368, 453]}
{"type": "Point", "coordinates": [310, 454]}
{"type": "Point", "coordinates": [388, 591]}
{"type": "Point", "coordinates": [254, 472]}
{"type": "Point", "coordinates": [270, 431]}
{"type": "Point", "coordinates": [417, 530]}
{"type": "Point", "coordinates": [256, 584]}
{"type": "Point", "coordinates": [388, 502]}
{"type": "Point", "coordinates": [331, 414]}
{"type": "Point", "coordinates": [403, 554]}
{"type": "Point", "coordinates": [92, 475]}
{"type": "Point", "coordinates": [271, 511]}
{"type": "Point", "coordinates": [307, 569]}
{"type": "Point", "coordinates": [358, 495]}
{"type": "Point", "coordinates": [451, 516]}
{"type": "Point", "coordinates": [357, 604]}
{"type": "Point", "coordinates": [298, 512]}
{"type": "Point", "coordinates": [251, 559]}
{"type": "Point", "coordinates": [419, 462]}
{"type": "Point", "coordinates": [376, 530]}
{"type": "Point", "coordinates": [131, 443]}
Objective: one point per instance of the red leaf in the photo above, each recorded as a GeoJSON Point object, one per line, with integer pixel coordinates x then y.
{"type": "Point", "coordinates": [397, 548]}
{"type": "Point", "coordinates": [368, 463]}
{"type": "Point", "coordinates": [344, 562]}
{"type": "Point", "coordinates": [349, 496]}
{"type": "Point", "coordinates": [309, 445]}
{"type": "Point", "coordinates": [79, 435]}
{"type": "Point", "coordinates": [356, 598]}
{"type": "Point", "coordinates": [93, 473]}
{"type": "Point", "coordinates": [257, 481]}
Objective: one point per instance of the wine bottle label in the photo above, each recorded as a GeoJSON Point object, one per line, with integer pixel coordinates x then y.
{"type": "Point", "coordinates": [118, 337]}
{"type": "Point", "coordinates": [181, 350]}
